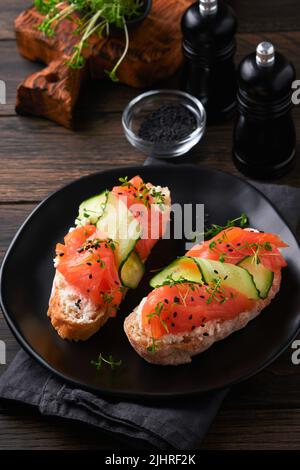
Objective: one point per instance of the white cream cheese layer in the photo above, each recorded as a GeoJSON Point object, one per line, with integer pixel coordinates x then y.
{"type": "Point", "coordinates": [73, 304]}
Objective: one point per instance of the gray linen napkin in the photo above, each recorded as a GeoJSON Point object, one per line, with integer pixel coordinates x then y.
{"type": "Point", "coordinates": [167, 425]}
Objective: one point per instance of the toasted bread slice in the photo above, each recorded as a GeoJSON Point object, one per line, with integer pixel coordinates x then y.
{"type": "Point", "coordinates": [175, 349]}
{"type": "Point", "coordinates": [72, 320]}
{"type": "Point", "coordinates": [73, 316]}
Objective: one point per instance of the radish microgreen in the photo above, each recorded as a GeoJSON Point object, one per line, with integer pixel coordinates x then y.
{"type": "Point", "coordinates": [94, 17]}
{"type": "Point", "coordinates": [102, 360]}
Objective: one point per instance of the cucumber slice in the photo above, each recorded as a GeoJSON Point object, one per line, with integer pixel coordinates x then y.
{"type": "Point", "coordinates": [232, 276]}
{"type": "Point", "coordinates": [92, 209]}
{"type": "Point", "coordinates": [262, 276]}
{"type": "Point", "coordinates": [119, 224]}
{"type": "Point", "coordinates": [132, 271]}
{"type": "Point", "coordinates": [184, 268]}
{"type": "Point", "coordinates": [203, 270]}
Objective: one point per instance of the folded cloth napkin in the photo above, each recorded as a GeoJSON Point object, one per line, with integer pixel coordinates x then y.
{"type": "Point", "coordinates": [168, 425]}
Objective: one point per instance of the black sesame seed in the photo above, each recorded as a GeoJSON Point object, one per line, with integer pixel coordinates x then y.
{"type": "Point", "coordinates": [89, 264]}
{"type": "Point", "coordinates": [215, 271]}
{"type": "Point", "coordinates": [166, 301]}
{"type": "Point", "coordinates": [230, 250]}
{"type": "Point", "coordinates": [225, 277]}
{"type": "Point", "coordinates": [238, 244]}
{"type": "Point", "coordinates": [90, 276]}
{"type": "Point", "coordinates": [61, 254]}
{"type": "Point", "coordinates": [175, 314]}
{"type": "Point", "coordinates": [205, 334]}
{"type": "Point", "coordinates": [193, 327]}
{"type": "Point", "coordinates": [176, 300]}
{"type": "Point", "coordinates": [168, 123]}
{"type": "Point", "coordinates": [172, 325]}
{"type": "Point", "coordinates": [202, 296]}
{"type": "Point", "coordinates": [192, 299]}
{"type": "Point", "coordinates": [202, 325]}
{"type": "Point", "coordinates": [190, 317]}
{"type": "Point", "coordinates": [227, 246]}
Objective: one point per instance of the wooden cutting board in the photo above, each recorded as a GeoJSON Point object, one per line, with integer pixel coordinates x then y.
{"type": "Point", "coordinates": [154, 54]}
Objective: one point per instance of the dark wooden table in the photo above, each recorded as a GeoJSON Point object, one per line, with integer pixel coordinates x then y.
{"type": "Point", "coordinates": [38, 157]}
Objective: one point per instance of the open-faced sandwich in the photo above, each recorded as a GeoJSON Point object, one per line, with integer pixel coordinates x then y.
{"type": "Point", "coordinates": [214, 290]}
{"type": "Point", "coordinates": [104, 255]}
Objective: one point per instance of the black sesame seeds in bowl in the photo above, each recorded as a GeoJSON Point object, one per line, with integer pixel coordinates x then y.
{"type": "Point", "coordinates": [164, 123]}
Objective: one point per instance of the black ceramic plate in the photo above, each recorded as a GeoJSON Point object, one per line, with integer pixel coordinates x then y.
{"type": "Point", "coordinates": [27, 275]}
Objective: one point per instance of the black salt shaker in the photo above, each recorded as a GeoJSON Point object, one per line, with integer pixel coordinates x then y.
{"type": "Point", "coordinates": [264, 134]}
{"type": "Point", "coordinates": [209, 28]}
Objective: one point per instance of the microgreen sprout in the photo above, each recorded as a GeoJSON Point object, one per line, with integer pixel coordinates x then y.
{"type": "Point", "coordinates": [215, 229]}
{"type": "Point", "coordinates": [157, 313]}
{"type": "Point", "coordinates": [170, 281]}
{"type": "Point", "coordinates": [159, 197]}
{"type": "Point", "coordinates": [125, 182]}
{"type": "Point", "coordinates": [154, 345]}
{"type": "Point", "coordinates": [216, 291]}
{"type": "Point", "coordinates": [93, 17]}
{"type": "Point", "coordinates": [102, 360]}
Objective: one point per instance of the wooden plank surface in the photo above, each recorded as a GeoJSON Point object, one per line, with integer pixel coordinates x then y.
{"type": "Point", "coordinates": [254, 15]}
{"type": "Point", "coordinates": [85, 152]}
{"type": "Point", "coordinates": [37, 157]}
{"type": "Point", "coordinates": [103, 97]}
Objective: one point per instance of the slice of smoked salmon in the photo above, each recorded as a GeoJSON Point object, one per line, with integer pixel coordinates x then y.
{"type": "Point", "coordinates": [87, 262]}
{"type": "Point", "coordinates": [183, 307]}
{"type": "Point", "coordinates": [234, 244]}
{"type": "Point", "coordinates": [138, 198]}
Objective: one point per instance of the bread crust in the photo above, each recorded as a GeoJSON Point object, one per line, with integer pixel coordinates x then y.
{"type": "Point", "coordinates": [179, 349]}
{"type": "Point", "coordinates": [69, 327]}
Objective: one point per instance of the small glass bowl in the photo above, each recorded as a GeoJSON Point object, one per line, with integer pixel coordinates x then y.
{"type": "Point", "coordinates": [143, 105]}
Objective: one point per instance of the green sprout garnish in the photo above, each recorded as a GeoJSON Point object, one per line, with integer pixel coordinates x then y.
{"type": "Point", "coordinates": [216, 291]}
{"type": "Point", "coordinates": [157, 313]}
{"type": "Point", "coordinates": [170, 281]}
{"type": "Point", "coordinates": [95, 17]}
{"type": "Point", "coordinates": [154, 345]}
{"type": "Point", "coordinates": [215, 229]}
{"type": "Point", "coordinates": [102, 360]}
{"type": "Point", "coordinates": [125, 182]}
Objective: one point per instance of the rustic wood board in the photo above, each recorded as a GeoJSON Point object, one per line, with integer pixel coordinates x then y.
{"type": "Point", "coordinates": [154, 54]}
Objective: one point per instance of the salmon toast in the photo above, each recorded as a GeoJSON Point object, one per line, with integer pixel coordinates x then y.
{"type": "Point", "coordinates": [103, 255]}
{"type": "Point", "coordinates": [203, 297]}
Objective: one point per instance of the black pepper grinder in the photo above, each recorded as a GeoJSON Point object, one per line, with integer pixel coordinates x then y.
{"type": "Point", "coordinates": [264, 134]}
{"type": "Point", "coordinates": [209, 28]}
